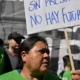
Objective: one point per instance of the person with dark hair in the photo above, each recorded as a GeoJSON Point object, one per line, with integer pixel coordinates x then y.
{"type": "Point", "coordinates": [33, 61]}
{"type": "Point", "coordinates": [10, 57]}
{"type": "Point", "coordinates": [66, 74]}
{"type": "Point", "coordinates": [1, 55]}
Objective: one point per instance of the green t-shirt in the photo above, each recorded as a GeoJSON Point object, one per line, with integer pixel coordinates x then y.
{"type": "Point", "coordinates": [14, 75]}
{"type": "Point", "coordinates": [66, 75]}
{"type": "Point", "coordinates": [1, 59]}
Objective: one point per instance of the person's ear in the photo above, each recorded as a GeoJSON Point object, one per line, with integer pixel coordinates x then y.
{"type": "Point", "coordinates": [23, 56]}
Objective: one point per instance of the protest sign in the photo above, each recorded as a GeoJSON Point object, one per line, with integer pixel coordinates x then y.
{"type": "Point", "coordinates": [44, 15]}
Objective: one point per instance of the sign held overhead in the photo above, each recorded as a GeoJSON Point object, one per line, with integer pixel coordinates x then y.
{"type": "Point", "coordinates": [44, 15]}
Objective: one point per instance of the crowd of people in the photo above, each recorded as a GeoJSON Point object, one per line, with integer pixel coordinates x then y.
{"type": "Point", "coordinates": [30, 60]}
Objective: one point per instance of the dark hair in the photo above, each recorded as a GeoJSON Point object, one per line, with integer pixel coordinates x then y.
{"type": "Point", "coordinates": [66, 60]}
{"type": "Point", "coordinates": [27, 45]}
{"type": "Point", "coordinates": [15, 35]}
{"type": "Point", "coordinates": [1, 42]}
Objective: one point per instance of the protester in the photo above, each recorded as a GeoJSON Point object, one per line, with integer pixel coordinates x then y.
{"type": "Point", "coordinates": [33, 61]}
{"type": "Point", "coordinates": [1, 56]}
{"type": "Point", "coordinates": [66, 74]}
{"type": "Point", "coordinates": [14, 41]}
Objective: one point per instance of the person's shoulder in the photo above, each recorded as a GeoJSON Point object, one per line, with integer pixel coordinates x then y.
{"type": "Point", "coordinates": [67, 73]}
{"type": "Point", "coordinates": [50, 76]}
{"type": "Point", "coordinates": [7, 76]}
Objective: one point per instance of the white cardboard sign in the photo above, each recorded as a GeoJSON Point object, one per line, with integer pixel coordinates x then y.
{"type": "Point", "coordinates": [45, 15]}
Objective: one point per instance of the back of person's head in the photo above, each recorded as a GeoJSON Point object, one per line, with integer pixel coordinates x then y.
{"type": "Point", "coordinates": [27, 45]}
{"type": "Point", "coordinates": [66, 60]}
{"type": "Point", "coordinates": [1, 42]}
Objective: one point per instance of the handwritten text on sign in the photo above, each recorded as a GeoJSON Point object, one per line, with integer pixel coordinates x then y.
{"type": "Point", "coordinates": [44, 15]}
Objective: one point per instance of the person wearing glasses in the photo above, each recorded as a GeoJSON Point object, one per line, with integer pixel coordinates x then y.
{"type": "Point", "coordinates": [33, 63]}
